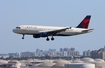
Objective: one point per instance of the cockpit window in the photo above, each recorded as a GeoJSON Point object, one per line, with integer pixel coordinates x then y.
{"type": "Point", "coordinates": [17, 27]}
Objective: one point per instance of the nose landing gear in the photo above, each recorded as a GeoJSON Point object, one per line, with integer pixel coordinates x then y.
{"type": "Point", "coordinates": [23, 36]}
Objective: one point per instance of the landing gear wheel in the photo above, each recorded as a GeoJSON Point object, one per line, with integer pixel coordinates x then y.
{"type": "Point", "coordinates": [52, 38]}
{"type": "Point", "coordinates": [23, 36]}
{"type": "Point", "coordinates": [47, 39]}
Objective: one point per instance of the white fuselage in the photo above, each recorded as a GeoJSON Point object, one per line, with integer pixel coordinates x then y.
{"type": "Point", "coordinates": [31, 30]}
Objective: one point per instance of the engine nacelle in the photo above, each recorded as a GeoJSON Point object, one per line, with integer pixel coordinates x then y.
{"type": "Point", "coordinates": [43, 34]}
{"type": "Point", "coordinates": [36, 36]}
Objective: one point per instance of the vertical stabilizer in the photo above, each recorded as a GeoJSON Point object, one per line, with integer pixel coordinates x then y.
{"type": "Point", "coordinates": [85, 22]}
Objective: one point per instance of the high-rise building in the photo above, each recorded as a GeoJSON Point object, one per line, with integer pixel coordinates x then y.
{"type": "Point", "coordinates": [52, 50]}
{"type": "Point", "coordinates": [69, 52]}
{"type": "Point", "coordinates": [37, 50]}
{"type": "Point", "coordinates": [67, 49]}
{"type": "Point", "coordinates": [103, 55]}
{"type": "Point", "coordinates": [104, 48]}
{"type": "Point", "coordinates": [64, 54]}
{"type": "Point", "coordinates": [87, 53]}
{"type": "Point", "coordinates": [73, 53]}
{"type": "Point", "coordinates": [61, 49]}
{"type": "Point", "coordinates": [72, 49]}
{"type": "Point", "coordinates": [96, 54]}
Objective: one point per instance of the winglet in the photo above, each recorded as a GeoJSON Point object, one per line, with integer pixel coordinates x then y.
{"type": "Point", "coordinates": [85, 22]}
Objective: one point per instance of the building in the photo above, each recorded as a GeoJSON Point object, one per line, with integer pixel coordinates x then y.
{"type": "Point", "coordinates": [14, 55]}
{"type": "Point", "coordinates": [27, 54]}
{"type": "Point", "coordinates": [54, 54]}
{"type": "Point", "coordinates": [52, 50]}
{"type": "Point", "coordinates": [73, 53]}
{"type": "Point", "coordinates": [87, 53]}
{"type": "Point", "coordinates": [68, 52]}
{"type": "Point", "coordinates": [64, 54]}
{"type": "Point", "coordinates": [98, 54]}
{"type": "Point", "coordinates": [103, 55]}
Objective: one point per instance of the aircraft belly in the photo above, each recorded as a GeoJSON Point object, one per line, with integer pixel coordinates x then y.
{"type": "Point", "coordinates": [32, 32]}
{"type": "Point", "coordinates": [23, 31]}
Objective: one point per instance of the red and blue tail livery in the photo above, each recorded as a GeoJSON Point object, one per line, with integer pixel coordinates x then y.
{"type": "Point", "coordinates": [85, 22]}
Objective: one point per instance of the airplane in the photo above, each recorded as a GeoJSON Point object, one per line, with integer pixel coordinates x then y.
{"type": "Point", "coordinates": [46, 31]}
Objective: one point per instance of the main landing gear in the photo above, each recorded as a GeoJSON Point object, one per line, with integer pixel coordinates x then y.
{"type": "Point", "coordinates": [52, 38]}
{"type": "Point", "coordinates": [23, 36]}
{"type": "Point", "coordinates": [47, 39]}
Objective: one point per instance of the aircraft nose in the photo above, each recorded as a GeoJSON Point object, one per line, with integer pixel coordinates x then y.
{"type": "Point", "coordinates": [14, 30]}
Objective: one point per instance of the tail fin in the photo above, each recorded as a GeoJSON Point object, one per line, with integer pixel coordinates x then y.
{"type": "Point", "coordinates": [85, 22]}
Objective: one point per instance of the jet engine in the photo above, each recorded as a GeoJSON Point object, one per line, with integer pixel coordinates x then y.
{"type": "Point", "coordinates": [44, 34]}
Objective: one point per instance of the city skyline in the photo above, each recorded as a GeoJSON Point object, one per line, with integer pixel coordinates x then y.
{"type": "Point", "coordinates": [36, 50]}
{"type": "Point", "coordinates": [67, 53]}
{"type": "Point", "coordinates": [81, 52]}
{"type": "Point", "coordinates": [60, 50]}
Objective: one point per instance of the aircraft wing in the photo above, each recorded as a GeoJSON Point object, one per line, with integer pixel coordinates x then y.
{"type": "Point", "coordinates": [54, 32]}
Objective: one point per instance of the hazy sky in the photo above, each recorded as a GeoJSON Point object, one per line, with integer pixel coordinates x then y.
{"type": "Point", "coordinates": [54, 13]}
